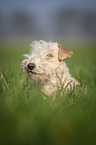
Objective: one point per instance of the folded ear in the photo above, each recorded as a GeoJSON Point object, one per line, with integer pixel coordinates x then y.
{"type": "Point", "coordinates": [64, 53]}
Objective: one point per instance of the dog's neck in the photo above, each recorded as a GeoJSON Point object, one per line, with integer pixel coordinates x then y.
{"type": "Point", "coordinates": [54, 79]}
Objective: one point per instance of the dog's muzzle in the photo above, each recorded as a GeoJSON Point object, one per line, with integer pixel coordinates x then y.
{"type": "Point", "coordinates": [31, 66]}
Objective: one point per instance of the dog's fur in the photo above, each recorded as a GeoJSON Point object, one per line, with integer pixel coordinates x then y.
{"type": "Point", "coordinates": [49, 66]}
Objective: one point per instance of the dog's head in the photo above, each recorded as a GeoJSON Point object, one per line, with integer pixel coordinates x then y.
{"type": "Point", "coordinates": [44, 59]}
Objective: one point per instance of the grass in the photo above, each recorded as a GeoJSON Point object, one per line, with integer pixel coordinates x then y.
{"type": "Point", "coordinates": [26, 118]}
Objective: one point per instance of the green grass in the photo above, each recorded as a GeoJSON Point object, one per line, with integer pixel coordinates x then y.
{"type": "Point", "coordinates": [26, 118]}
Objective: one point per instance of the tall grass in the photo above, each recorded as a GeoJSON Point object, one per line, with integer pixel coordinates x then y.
{"type": "Point", "coordinates": [27, 118]}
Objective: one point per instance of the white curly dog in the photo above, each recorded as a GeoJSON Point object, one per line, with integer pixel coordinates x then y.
{"type": "Point", "coordinates": [45, 63]}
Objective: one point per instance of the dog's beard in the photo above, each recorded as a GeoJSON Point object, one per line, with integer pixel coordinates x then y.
{"type": "Point", "coordinates": [37, 76]}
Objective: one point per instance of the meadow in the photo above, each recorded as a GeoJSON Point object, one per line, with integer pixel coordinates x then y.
{"type": "Point", "coordinates": [26, 118]}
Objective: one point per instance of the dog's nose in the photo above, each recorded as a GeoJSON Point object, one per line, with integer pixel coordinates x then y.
{"type": "Point", "coordinates": [31, 66]}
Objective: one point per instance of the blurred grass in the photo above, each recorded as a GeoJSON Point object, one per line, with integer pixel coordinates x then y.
{"type": "Point", "coordinates": [26, 118]}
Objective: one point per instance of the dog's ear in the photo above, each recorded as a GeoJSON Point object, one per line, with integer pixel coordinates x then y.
{"type": "Point", "coordinates": [41, 41]}
{"type": "Point", "coordinates": [64, 53]}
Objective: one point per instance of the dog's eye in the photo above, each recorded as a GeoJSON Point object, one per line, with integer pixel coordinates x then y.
{"type": "Point", "coordinates": [49, 55]}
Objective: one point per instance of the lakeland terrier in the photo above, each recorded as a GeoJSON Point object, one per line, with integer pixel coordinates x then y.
{"type": "Point", "coordinates": [46, 63]}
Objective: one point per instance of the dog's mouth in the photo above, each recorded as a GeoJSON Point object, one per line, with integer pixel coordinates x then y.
{"type": "Point", "coordinates": [31, 72]}
{"type": "Point", "coordinates": [37, 76]}
{"type": "Point", "coordinates": [35, 73]}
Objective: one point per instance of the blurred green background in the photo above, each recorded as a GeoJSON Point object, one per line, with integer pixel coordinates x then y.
{"type": "Point", "coordinates": [25, 117]}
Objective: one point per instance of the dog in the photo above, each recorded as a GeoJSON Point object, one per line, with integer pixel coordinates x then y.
{"type": "Point", "coordinates": [46, 63]}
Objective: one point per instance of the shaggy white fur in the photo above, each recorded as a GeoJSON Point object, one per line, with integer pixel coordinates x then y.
{"type": "Point", "coordinates": [45, 63]}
